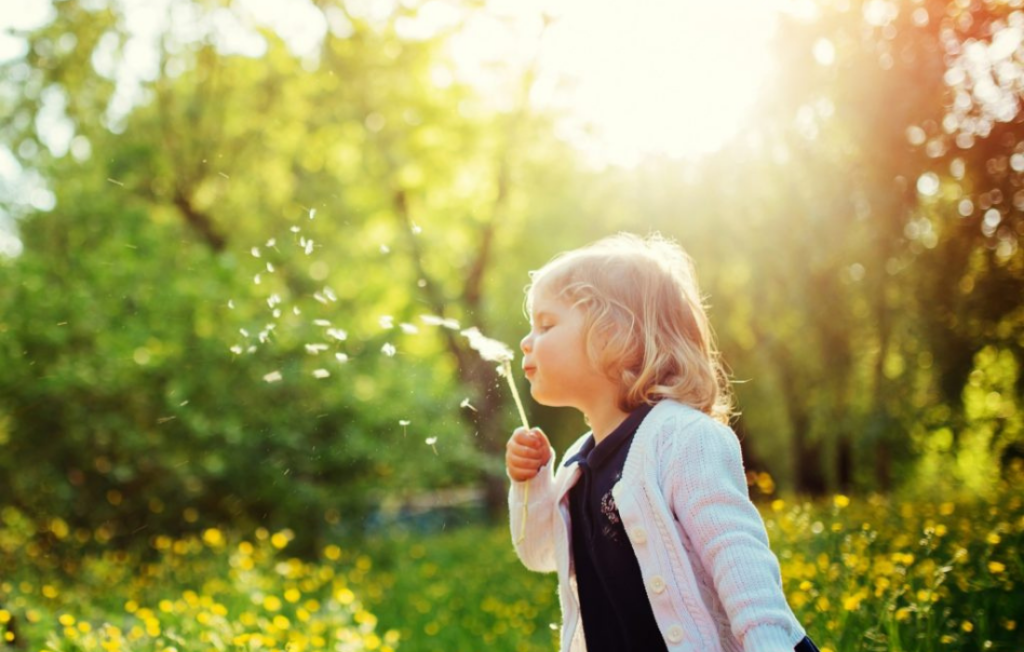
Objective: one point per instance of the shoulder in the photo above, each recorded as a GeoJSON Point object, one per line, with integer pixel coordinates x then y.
{"type": "Point", "coordinates": [682, 432]}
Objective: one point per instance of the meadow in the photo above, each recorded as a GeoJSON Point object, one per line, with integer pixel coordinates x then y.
{"type": "Point", "coordinates": [912, 575]}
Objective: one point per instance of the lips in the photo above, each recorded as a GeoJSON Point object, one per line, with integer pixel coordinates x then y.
{"type": "Point", "coordinates": [529, 371]}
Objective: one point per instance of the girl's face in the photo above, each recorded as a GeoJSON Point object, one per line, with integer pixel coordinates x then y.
{"type": "Point", "coordinates": [555, 357]}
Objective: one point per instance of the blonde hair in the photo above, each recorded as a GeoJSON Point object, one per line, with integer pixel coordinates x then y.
{"type": "Point", "coordinates": [645, 323]}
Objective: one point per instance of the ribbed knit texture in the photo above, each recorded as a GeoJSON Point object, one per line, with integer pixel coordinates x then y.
{"type": "Point", "coordinates": [713, 582]}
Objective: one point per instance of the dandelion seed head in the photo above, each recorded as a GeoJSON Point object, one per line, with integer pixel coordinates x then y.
{"type": "Point", "coordinates": [255, 252]}
{"type": "Point", "coordinates": [409, 329]}
{"type": "Point", "coordinates": [389, 350]}
{"type": "Point", "coordinates": [341, 357]}
{"type": "Point", "coordinates": [489, 349]}
{"type": "Point", "coordinates": [272, 377]}
{"type": "Point", "coordinates": [321, 373]}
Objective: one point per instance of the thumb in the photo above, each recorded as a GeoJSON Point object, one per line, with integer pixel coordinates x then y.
{"type": "Point", "coordinates": [538, 439]}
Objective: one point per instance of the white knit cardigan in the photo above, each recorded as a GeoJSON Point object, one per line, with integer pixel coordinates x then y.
{"type": "Point", "coordinates": [713, 582]}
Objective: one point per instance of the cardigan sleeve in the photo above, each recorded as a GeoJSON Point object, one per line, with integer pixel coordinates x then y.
{"type": "Point", "coordinates": [535, 546]}
{"type": "Point", "coordinates": [711, 501]}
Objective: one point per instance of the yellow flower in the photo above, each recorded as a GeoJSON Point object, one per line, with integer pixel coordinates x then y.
{"type": "Point", "coordinates": [66, 619]}
{"type": "Point", "coordinates": [213, 537]}
{"type": "Point", "coordinates": [5, 616]}
{"type": "Point", "coordinates": [993, 538]}
{"type": "Point", "coordinates": [967, 626]}
{"type": "Point", "coordinates": [902, 614]}
{"type": "Point", "coordinates": [332, 552]}
{"type": "Point", "coordinates": [292, 595]}
{"type": "Point", "coordinates": [940, 530]}
{"type": "Point", "coordinates": [996, 567]}
{"type": "Point", "coordinates": [841, 501]}
{"type": "Point", "coordinates": [778, 505]}
{"type": "Point", "coordinates": [271, 603]}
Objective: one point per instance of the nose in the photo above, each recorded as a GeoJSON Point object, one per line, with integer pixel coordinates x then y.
{"type": "Point", "coordinates": [526, 344]}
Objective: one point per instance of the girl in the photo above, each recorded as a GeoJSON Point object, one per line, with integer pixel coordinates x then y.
{"type": "Point", "coordinates": [647, 519]}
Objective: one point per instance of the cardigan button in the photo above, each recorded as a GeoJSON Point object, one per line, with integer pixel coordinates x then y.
{"type": "Point", "coordinates": [658, 584]}
{"type": "Point", "coordinates": [640, 535]}
{"type": "Point", "coordinates": [674, 634]}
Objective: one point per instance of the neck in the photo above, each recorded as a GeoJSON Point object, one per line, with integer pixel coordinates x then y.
{"type": "Point", "coordinates": [604, 420]}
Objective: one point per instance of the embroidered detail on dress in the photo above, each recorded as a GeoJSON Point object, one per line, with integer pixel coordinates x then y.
{"type": "Point", "coordinates": [611, 513]}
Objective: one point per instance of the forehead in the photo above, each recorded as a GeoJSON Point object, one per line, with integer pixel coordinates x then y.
{"type": "Point", "coordinates": [544, 299]}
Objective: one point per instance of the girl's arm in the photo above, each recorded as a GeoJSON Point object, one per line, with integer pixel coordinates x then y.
{"type": "Point", "coordinates": [534, 545]}
{"type": "Point", "coordinates": [710, 500]}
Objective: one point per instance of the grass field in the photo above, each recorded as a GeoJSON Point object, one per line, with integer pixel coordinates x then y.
{"type": "Point", "coordinates": [860, 574]}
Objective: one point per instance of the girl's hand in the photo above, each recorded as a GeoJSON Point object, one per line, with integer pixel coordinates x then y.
{"type": "Point", "coordinates": [526, 453]}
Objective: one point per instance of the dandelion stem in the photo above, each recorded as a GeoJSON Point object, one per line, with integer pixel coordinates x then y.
{"type": "Point", "coordinates": [522, 415]}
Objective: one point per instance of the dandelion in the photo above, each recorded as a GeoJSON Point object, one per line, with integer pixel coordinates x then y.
{"type": "Point", "coordinates": [494, 351]}
{"type": "Point", "coordinates": [272, 377]}
{"type": "Point", "coordinates": [337, 334]}
{"type": "Point", "coordinates": [996, 567]}
{"type": "Point", "coordinates": [430, 442]}
{"type": "Point", "coordinates": [465, 404]}
{"type": "Point", "coordinates": [255, 252]}
{"type": "Point", "coordinates": [405, 424]}
{"type": "Point", "coordinates": [389, 349]}
{"type": "Point", "coordinates": [295, 229]}
{"type": "Point", "coordinates": [341, 357]}
{"type": "Point", "coordinates": [386, 321]}
{"type": "Point", "coordinates": [409, 329]}
{"type": "Point", "coordinates": [321, 373]}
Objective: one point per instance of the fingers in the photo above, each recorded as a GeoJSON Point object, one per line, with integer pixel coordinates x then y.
{"type": "Point", "coordinates": [527, 451]}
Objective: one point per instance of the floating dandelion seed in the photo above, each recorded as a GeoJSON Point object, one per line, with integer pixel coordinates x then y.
{"type": "Point", "coordinates": [384, 249]}
{"type": "Point", "coordinates": [329, 293]}
{"type": "Point", "coordinates": [409, 329]}
{"type": "Point", "coordinates": [430, 442]}
{"type": "Point", "coordinates": [276, 313]}
{"type": "Point", "coordinates": [237, 350]}
{"type": "Point", "coordinates": [434, 320]}
{"type": "Point", "coordinates": [341, 357]}
{"type": "Point", "coordinates": [251, 349]}
{"type": "Point", "coordinates": [270, 267]}
{"type": "Point", "coordinates": [321, 298]}
{"type": "Point", "coordinates": [389, 350]}
{"type": "Point", "coordinates": [273, 300]}
{"type": "Point", "coordinates": [450, 324]}
{"type": "Point", "coordinates": [264, 336]}
{"type": "Point", "coordinates": [295, 229]}
{"type": "Point", "coordinates": [316, 349]}
{"type": "Point", "coordinates": [273, 377]}
{"type": "Point", "coordinates": [223, 175]}
{"type": "Point", "coordinates": [309, 247]}
{"type": "Point", "coordinates": [386, 321]}
{"type": "Point", "coordinates": [271, 242]}
{"type": "Point", "coordinates": [183, 404]}
{"type": "Point", "coordinates": [231, 304]}
{"type": "Point", "coordinates": [337, 334]}
{"type": "Point", "coordinates": [295, 310]}
{"type": "Point", "coordinates": [312, 213]}
{"type": "Point", "coordinates": [256, 252]}
{"type": "Point", "coordinates": [466, 404]}
{"type": "Point", "coordinates": [321, 373]}
{"type": "Point", "coordinates": [416, 230]}
{"type": "Point", "coordinates": [116, 182]}
{"type": "Point", "coordinates": [244, 332]}
{"type": "Point", "coordinates": [321, 322]}
{"type": "Point", "coordinates": [256, 279]}
{"type": "Point", "coordinates": [405, 424]}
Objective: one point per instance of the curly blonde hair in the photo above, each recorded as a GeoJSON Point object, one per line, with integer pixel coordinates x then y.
{"type": "Point", "coordinates": [645, 323]}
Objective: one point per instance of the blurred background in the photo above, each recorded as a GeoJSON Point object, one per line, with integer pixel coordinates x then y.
{"type": "Point", "coordinates": [239, 239]}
